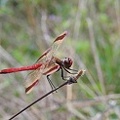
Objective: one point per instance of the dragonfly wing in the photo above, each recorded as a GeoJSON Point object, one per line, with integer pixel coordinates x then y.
{"type": "Point", "coordinates": [57, 42]}
{"type": "Point", "coordinates": [52, 69]}
{"type": "Point", "coordinates": [32, 79]}
{"type": "Point", "coordinates": [60, 37]}
{"type": "Point", "coordinates": [53, 48]}
{"type": "Point", "coordinates": [44, 55]}
{"type": "Point", "coordinates": [34, 76]}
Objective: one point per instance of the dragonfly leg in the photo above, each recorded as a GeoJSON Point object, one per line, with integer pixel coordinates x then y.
{"type": "Point", "coordinates": [73, 69]}
{"type": "Point", "coordinates": [50, 82]}
{"type": "Point", "coordinates": [62, 75]}
{"type": "Point", "coordinates": [67, 70]}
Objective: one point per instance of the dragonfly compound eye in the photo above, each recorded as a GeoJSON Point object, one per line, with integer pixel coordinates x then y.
{"type": "Point", "coordinates": [67, 62]}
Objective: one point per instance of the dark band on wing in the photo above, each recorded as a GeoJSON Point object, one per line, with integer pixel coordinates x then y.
{"type": "Point", "coordinates": [52, 70]}
{"type": "Point", "coordinates": [28, 89]}
{"type": "Point", "coordinates": [44, 54]}
{"type": "Point", "coordinates": [61, 36]}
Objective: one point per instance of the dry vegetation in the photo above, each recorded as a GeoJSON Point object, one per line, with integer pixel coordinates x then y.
{"type": "Point", "coordinates": [27, 27]}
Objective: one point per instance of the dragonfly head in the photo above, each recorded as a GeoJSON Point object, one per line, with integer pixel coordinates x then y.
{"type": "Point", "coordinates": [67, 62]}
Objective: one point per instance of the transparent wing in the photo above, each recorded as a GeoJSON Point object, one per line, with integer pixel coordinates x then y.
{"type": "Point", "coordinates": [34, 76]}
{"type": "Point", "coordinates": [57, 42]}
{"type": "Point", "coordinates": [53, 48]}
{"type": "Point", "coordinates": [32, 79]}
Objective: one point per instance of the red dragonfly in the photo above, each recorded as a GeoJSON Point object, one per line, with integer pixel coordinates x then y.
{"type": "Point", "coordinates": [47, 64]}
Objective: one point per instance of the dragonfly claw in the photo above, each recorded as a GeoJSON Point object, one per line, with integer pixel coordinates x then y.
{"type": "Point", "coordinates": [72, 80]}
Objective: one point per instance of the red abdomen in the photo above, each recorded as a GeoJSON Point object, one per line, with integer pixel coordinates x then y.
{"type": "Point", "coordinates": [24, 68]}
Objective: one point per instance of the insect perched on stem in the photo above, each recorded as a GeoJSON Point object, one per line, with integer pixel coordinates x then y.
{"type": "Point", "coordinates": [47, 64]}
{"type": "Point", "coordinates": [71, 80]}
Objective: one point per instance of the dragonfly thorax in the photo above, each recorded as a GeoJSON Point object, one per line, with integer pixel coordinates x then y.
{"type": "Point", "coordinates": [67, 62]}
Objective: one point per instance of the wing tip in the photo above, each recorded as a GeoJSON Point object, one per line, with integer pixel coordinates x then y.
{"type": "Point", "coordinates": [65, 32]}
{"type": "Point", "coordinates": [61, 36]}
{"type": "Point", "coordinates": [30, 87]}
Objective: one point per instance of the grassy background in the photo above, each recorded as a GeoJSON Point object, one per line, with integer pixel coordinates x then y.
{"type": "Point", "coordinates": [27, 28]}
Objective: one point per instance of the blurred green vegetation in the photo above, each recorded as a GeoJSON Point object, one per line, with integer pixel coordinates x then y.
{"type": "Point", "coordinates": [27, 27]}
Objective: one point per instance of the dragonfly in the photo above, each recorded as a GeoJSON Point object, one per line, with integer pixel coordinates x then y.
{"type": "Point", "coordinates": [47, 64]}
